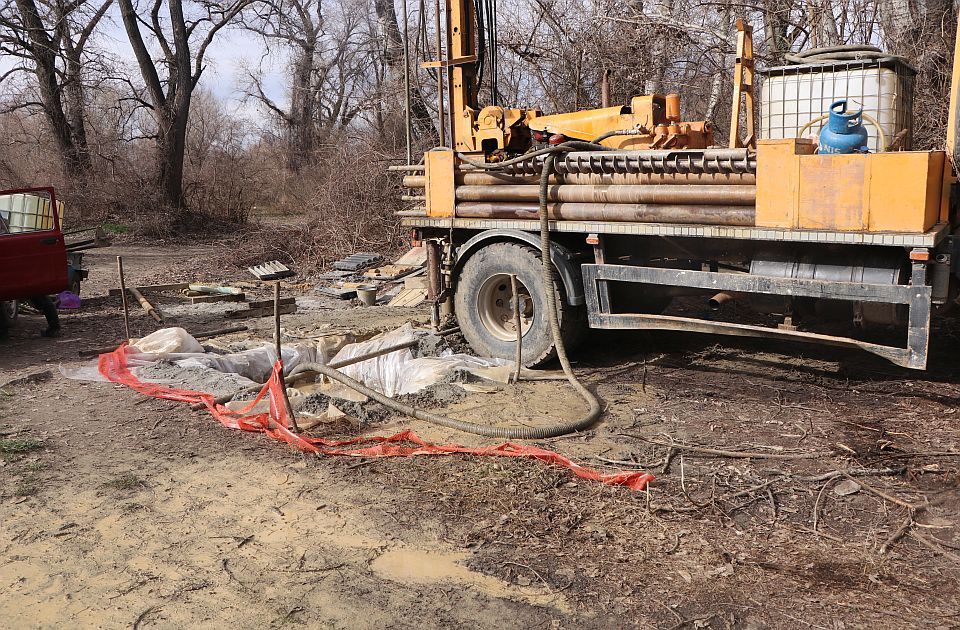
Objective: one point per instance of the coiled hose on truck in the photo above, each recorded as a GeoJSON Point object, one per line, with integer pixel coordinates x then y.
{"type": "Point", "coordinates": [509, 433]}
{"type": "Point", "coordinates": [839, 54]}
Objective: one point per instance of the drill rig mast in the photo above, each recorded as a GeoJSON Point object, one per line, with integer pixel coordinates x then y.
{"type": "Point", "coordinates": [648, 122]}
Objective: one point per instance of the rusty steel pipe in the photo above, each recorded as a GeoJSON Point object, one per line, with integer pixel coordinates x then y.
{"type": "Point", "coordinates": [619, 194]}
{"type": "Point", "coordinates": [475, 178]}
{"type": "Point", "coordinates": [716, 302]}
{"type": "Point", "coordinates": [433, 269]}
{"type": "Point", "coordinates": [617, 212]}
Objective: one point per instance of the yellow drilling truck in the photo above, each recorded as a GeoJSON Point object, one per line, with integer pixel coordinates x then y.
{"type": "Point", "coordinates": [823, 216]}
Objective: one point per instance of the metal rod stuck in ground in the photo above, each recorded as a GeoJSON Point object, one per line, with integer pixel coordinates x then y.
{"type": "Point", "coordinates": [276, 337]}
{"type": "Point", "coordinates": [123, 298]}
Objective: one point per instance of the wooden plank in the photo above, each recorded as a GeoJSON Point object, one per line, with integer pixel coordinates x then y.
{"type": "Point", "coordinates": [389, 272]}
{"type": "Point", "coordinates": [176, 286]}
{"type": "Point", "coordinates": [285, 309]}
{"type": "Point", "coordinates": [269, 303]}
{"type": "Point", "coordinates": [409, 297]}
{"type": "Point", "coordinates": [416, 256]}
{"type": "Point", "coordinates": [418, 282]}
{"type": "Point", "coordinates": [216, 297]}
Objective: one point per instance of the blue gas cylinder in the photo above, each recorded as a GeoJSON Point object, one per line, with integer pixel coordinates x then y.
{"type": "Point", "coordinates": [844, 131]}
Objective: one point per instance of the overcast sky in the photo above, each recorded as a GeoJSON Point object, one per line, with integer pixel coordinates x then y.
{"type": "Point", "coordinates": [228, 61]}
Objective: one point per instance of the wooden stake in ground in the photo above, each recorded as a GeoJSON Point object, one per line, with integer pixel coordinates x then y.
{"type": "Point", "coordinates": [123, 297]}
{"type": "Point", "coordinates": [276, 337]}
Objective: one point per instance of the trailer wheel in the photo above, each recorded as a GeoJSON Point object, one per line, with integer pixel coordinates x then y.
{"type": "Point", "coordinates": [484, 305]}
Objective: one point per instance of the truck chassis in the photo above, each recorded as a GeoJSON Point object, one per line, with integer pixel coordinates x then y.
{"type": "Point", "coordinates": [590, 260]}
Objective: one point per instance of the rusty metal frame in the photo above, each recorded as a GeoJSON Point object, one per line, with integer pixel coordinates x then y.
{"type": "Point", "coordinates": [917, 297]}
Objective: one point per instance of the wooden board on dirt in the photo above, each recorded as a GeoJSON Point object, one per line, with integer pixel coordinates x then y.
{"type": "Point", "coordinates": [409, 297]}
{"type": "Point", "coordinates": [176, 286]}
{"type": "Point", "coordinates": [341, 293]}
{"type": "Point", "coordinates": [199, 298]}
{"type": "Point", "coordinates": [244, 313]}
{"type": "Point", "coordinates": [418, 282]}
{"type": "Point", "coordinates": [269, 303]}
{"type": "Point", "coordinates": [417, 257]}
{"type": "Point", "coordinates": [389, 272]}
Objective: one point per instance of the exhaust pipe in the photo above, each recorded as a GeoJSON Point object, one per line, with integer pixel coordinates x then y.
{"type": "Point", "coordinates": [716, 302]}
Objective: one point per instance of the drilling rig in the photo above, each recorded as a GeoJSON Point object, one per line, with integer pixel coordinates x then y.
{"type": "Point", "coordinates": [635, 207]}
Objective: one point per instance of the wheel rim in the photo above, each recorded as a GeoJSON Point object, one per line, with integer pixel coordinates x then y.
{"type": "Point", "coordinates": [495, 307]}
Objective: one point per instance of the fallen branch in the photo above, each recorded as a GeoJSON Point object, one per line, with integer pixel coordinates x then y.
{"type": "Point", "coordinates": [933, 546]}
{"type": "Point", "coordinates": [897, 535]}
{"type": "Point", "coordinates": [734, 454]}
{"type": "Point", "coordinates": [143, 615]}
{"type": "Point", "coordinates": [888, 497]}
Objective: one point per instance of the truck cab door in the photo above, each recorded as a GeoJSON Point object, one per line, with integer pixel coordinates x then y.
{"type": "Point", "coordinates": [33, 257]}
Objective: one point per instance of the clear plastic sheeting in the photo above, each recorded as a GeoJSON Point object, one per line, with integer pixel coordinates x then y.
{"type": "Point", "coordinates": [402, 372]}
{"type": "Point", "coordinates": [393, 374]}
{"type": "Point", "coordinates": [168, 341]}
{"type": "Point", "coordinates": [255, 364]}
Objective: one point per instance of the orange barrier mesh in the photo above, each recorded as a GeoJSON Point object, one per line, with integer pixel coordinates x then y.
{"type": "Point", "coordinates": [113, 366]}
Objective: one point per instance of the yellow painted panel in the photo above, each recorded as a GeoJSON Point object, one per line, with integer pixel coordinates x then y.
{"type": "Point", "coordinates": [881, 192]}
{"type": "Point", "coordinates": [440, 183]}
{"type": "Point", "coordinates": [833, 192]}
{"type": "Point", "coordinates": [778, 181]}
{"type": "Point", "coordinates": [905, 191]}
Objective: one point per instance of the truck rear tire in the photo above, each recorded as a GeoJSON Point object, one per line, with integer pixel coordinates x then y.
{"type": "Point", "coordinates": [484, 305]}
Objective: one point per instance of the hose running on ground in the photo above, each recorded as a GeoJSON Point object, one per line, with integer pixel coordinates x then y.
{"type": "Point", "coordinates": [509, 433]}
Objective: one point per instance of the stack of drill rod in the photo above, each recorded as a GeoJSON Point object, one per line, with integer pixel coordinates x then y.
{"type": "Point", "coordinates": [706, 186]}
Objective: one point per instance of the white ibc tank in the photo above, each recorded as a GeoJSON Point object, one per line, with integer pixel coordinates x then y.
{"type": "Point", "coordinates": [26, 212]}
{"type": "Point", "coordinates": [792, 96]}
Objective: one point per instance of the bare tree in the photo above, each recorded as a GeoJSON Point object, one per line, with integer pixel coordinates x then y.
{"type": "Point", "coordinates": [50, 39]}
{"type": "Point", "coordinates": [329, 59]}
{"type": "Point", "coordinates": [183, 44]}
{"type": "Point", "coordinates": [393, 46]}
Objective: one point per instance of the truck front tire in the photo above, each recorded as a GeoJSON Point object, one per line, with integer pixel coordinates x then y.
{"type": "Point", "coordinates": [484, 305]}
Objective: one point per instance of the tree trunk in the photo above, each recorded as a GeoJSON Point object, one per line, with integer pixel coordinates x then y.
{"type": "Point", "coordinates": [76, 109]}
{"type": "Point", "coordinates": [897, 20]}
{"type": "Point", "coordinates": [171, 146]}
{"type": "Point", "coordinates": [43, 54]}
{"type": "Point", "coordinates": [420, 115]}
{"type": "Point", "coordinates": [301, 125]}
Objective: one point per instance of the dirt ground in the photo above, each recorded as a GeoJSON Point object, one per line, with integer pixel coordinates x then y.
{"type": "Point", "coordinates": [122, 511]}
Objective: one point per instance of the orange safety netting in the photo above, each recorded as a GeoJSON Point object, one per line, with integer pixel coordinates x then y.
{"type": "Point", "coordinates": [113, 366]}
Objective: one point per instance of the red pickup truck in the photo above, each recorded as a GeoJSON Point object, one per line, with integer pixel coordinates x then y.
{"type": "Point", "coordinates": [33, 256]}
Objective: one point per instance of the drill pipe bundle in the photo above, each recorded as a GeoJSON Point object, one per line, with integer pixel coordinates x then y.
{"type": "Point", "coordinates": [744, 215]}
{"type": "Point", "coordinates": [616, 194]}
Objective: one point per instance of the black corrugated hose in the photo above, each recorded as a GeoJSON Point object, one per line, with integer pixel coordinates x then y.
{"type": "Point", "coordinates": [509, 433]}
{"type": "Point", "coordinates": [839, 54]}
